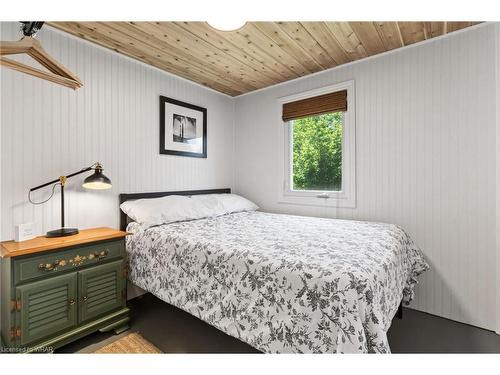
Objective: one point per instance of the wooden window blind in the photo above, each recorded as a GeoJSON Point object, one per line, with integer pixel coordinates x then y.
{"type": "Point", "coordinates": [317, 105]}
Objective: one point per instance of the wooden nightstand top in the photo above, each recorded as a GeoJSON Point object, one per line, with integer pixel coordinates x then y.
{"type": "Point", "coordinates": [42, 243]}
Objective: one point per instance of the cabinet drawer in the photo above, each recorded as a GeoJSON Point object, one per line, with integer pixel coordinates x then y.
{"type": "Point", "coordinates": [31, 268]}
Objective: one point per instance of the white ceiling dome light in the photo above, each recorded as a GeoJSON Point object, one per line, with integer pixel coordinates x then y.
{"type": "Point", "coordinates": [227, 24]}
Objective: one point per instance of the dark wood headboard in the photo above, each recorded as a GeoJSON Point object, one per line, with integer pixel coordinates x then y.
{"type": "Point", "coordinates": [133, 196]}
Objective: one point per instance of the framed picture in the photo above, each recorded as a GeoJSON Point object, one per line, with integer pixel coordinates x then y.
{"type": "Point", "coordinates": [183, 128]}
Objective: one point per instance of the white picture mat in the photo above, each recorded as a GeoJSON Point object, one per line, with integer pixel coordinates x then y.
{"type": "Point", "coordinates": [197, 144]}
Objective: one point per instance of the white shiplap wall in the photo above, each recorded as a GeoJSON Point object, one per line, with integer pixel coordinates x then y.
{"type": "Point", "coordinates": [48, 130]}
{"type": "Point", "coordinates": [497, 45]}
{"type": "Point", "coordinates": [425, 133]}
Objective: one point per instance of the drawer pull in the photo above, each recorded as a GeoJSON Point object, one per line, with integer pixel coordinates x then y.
{"type": "Point", "coordinates": [101, 254]}
{"type": "Point", "coordinates": [76, 261]}
{"type": "Point", "coordinates": [51, 266]}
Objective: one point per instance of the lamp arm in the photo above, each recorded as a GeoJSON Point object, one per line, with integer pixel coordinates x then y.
{"type": "Point", "coordinates": [79, 172]}
{"type": "Point", "coordinates": [46, 184]}
{"type": "Point", "coordinates": [60, 179]}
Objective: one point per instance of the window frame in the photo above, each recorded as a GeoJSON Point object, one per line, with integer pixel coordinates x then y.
{"type": "Point", "coordinates": [346, 197]}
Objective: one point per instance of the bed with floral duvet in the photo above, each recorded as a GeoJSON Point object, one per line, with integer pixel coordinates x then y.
{"type": "Point", "coordinates": [282, 283]}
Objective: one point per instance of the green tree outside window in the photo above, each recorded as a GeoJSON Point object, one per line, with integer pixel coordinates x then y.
{"type": "Point", "coordinates": [317, 152]}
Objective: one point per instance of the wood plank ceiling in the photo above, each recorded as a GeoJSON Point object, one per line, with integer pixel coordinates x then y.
{"type": "Point", "coordinates": [259, 54]}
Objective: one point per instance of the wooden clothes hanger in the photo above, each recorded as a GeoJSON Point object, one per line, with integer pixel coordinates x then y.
{"type": "Point", "coordinates": [57, 73]}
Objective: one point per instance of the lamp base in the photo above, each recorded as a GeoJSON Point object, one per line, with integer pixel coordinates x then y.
{"type": "Point", "coordinates": [63, 232]}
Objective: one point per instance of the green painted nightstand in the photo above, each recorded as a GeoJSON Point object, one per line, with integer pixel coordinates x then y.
{"type": "Point", "coordinates": [56, 290]}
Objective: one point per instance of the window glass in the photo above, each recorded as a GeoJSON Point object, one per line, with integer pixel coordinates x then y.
{"type": "Point", "coordinates": [316, 164]}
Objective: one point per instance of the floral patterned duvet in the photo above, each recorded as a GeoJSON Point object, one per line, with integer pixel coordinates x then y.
{"type": "Point", "coordinates": [281, 283]}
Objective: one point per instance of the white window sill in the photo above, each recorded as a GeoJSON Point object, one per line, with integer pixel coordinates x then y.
{"type": "Point", "coordinates": [339, 202]}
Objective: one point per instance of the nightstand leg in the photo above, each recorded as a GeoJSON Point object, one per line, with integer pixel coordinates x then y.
{"type": "Point", "coordinates": [121, 329]}
{"type": "Point", "coordinates": [119, 326]}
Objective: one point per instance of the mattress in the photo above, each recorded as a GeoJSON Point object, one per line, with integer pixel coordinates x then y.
{"type": "Point", "coordinates": [282, 283]}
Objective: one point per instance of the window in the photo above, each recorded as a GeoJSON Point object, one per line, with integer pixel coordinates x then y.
{"type": "Point", "coordinates": [316, 162]}
{"type": "Point", "coordinates": [317, 130]}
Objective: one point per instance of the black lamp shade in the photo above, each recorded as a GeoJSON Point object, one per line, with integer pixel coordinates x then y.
{"type": "Point", "coordinates": [97, 181]}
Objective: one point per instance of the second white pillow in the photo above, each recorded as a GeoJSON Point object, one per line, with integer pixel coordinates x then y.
{"type": "Point", "coordinates": [222, 204]}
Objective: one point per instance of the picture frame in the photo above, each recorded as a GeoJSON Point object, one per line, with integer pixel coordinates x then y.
{"type": "Point", "coordinates": [183, 128]}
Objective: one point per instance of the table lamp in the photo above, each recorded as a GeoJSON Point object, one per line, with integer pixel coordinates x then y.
{"type": "Point", "coordinates": [97, 181]}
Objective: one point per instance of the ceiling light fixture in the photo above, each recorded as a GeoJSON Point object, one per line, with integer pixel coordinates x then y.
{"type": "Point", "coordinates": [227, 24]}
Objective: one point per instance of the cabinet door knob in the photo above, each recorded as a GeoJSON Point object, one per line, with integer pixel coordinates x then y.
{"type": "Point", "coordinates": [84, 299]}
{"type": "Point", "coordinates": [71, 302]}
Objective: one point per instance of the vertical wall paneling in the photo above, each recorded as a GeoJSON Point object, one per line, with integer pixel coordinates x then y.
{"type": "Point", "coordinates": [48, 130]}
{"type": "Point", "coordinates": [497, 45]}
{"type": "Point", "coordinates": [425, 128]}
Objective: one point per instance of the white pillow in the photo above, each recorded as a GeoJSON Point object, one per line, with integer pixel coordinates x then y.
{"type": "Point", "coordinates": [211, 203]}
{"type": "Point", "coordinates": [222, 204]}
{"type": "Point", "coordinates": [235, 203]}
{"type": "Point", "coordinates": [156, 211]}
{"type": "Point", "coordinates": [150, 212]}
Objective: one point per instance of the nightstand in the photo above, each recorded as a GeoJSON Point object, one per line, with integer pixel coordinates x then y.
{"type": "Point", "coordinates": [56, 290]}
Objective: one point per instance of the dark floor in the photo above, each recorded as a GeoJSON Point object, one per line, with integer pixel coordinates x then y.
{"type": "Point", "coordinates": [175, 331]}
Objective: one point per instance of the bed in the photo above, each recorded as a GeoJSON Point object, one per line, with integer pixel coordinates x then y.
{"type": "Point", "coordinates": [281, 283]}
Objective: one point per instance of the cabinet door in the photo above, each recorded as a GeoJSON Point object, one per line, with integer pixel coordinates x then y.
{"type": "Point", "coordinates": [100, 290]}
{"type": "Point", "coordinates": [47, 307]}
